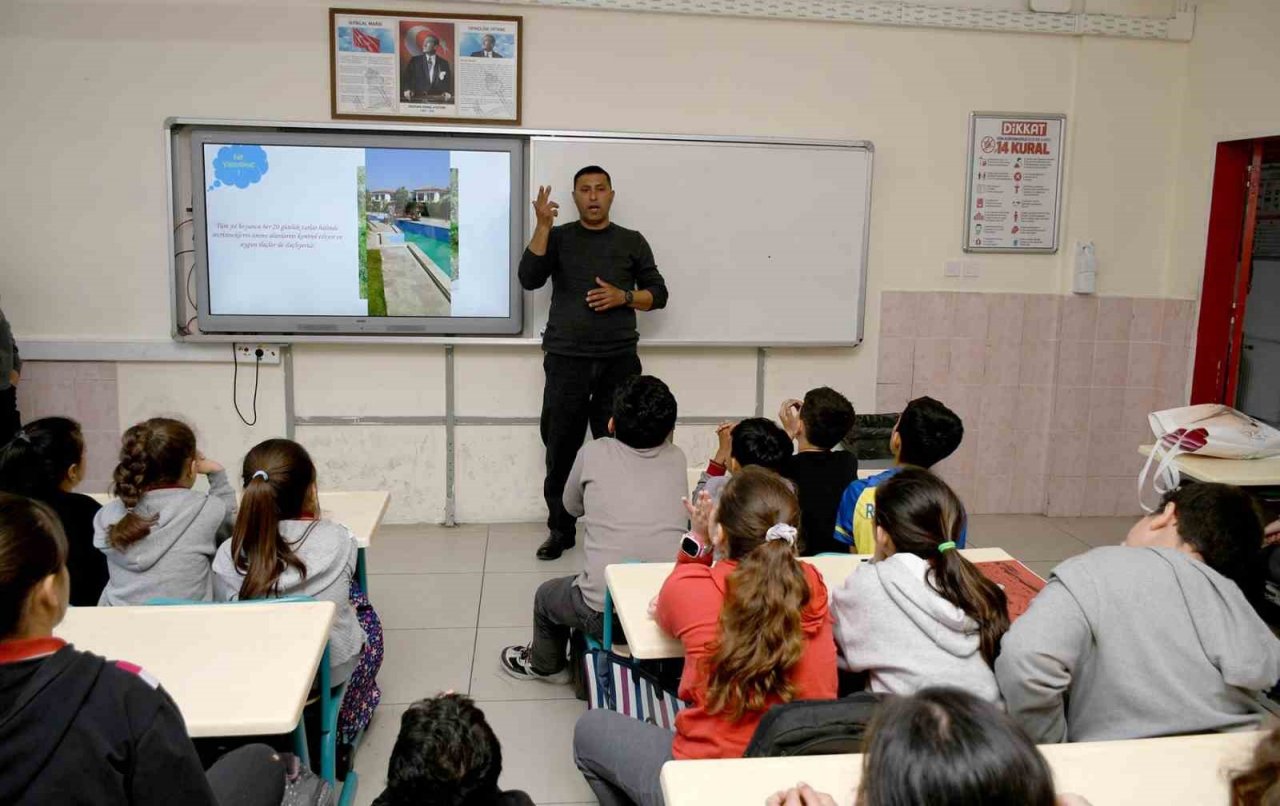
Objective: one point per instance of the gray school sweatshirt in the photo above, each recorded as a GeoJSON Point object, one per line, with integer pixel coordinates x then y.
{"type": "Point", "coordinates": [630, 504]}
{"type": "Point", "coordinates": [891, 623]}
{"type": "Point", "coordinates": [173, 560]}
{"type": "Point", "coordinates": [1126, 643]}
{"type": "Point", "coordinates": [328, 550]}
{"type": "Point", "coordinates": [9, 358]}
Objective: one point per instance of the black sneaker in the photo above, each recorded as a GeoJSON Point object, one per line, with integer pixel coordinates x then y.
{"type": "Point", "coordinates": [516, 662]}
{"type": "Point", "coordinates": [554, 546]}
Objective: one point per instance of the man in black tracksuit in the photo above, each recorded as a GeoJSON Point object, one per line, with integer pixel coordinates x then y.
{"type": "Point", "coordinates": [601, 274]}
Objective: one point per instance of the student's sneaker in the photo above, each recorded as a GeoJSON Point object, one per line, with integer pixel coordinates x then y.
{"type": "Point", "coordinates": [516, 661]}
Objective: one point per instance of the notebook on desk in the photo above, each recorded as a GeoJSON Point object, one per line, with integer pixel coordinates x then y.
{"type": "Point", "coordinates": [1019, 583]}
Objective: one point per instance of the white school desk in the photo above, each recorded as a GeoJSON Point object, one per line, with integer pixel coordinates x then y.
{"type": "Point", "coordinates": [359, 511]}
{"type": "Point", "coordinates": [1188, 770]}
{"type": "Point", "coordinates": [633, 585]}
{"type": "Point", "coordinates": [233, 669]}
{"type": "Point", "coordinates": [1240, 472]}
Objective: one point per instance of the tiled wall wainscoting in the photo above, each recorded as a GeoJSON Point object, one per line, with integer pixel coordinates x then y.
{"type": "Point", "coordinates": [85, 391]}
{"type": "Point", "coordinates": [1054, 390]}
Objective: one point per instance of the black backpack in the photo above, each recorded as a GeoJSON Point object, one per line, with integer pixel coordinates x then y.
{"type": "Point", "coordinates": [814, 727]}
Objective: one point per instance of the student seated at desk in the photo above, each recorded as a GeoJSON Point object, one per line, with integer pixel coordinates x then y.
{"type": "Point", "coordinates": [920, 614]}
{"type": "Point", "coordinates": [282, 546]}
{"type": "Point", "coordinates": [446, 755]}
{"type": "Point", "coordinates": [75, 728]}
{"type": "Point", "coordinates": [756, 632]}
{"type": "Point", "coordinates": [45, 461]}
{"type": "Point", "coordinates": [947, 746]}
{"type": "Point", "coordinates": [1151, 638]}
{"type": "Point", "coordinates": [627, 490]}
{"type": "Point", "coordinates": [158, 533]}
{"type": "Point", "coordinates": [818, 424]}
{"type": "Point", "coordinates": [927, 432]}
{"type": "Point", "coordinates": [755, 441]}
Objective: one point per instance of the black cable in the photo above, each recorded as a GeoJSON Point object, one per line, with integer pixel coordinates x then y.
{"type": "Point", "coordinates": [181, 223]}
{"type": "Point", "coordinates": [235, 386]}
{"type": "Point", "coordinates": [190, 271]}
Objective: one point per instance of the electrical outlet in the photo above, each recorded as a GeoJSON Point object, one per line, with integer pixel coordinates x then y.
{"type": "Point", "coordinates": [249, 352]}
{"type": "Point", "coordinates": [952, 268]}
{"type": "Point", "coordinates": [972, 268]}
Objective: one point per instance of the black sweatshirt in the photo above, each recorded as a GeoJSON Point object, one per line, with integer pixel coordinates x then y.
{"type": "Point", "coordinates": [820, 478]}
{"type": "Point", "coordinates": [77, 729]}
{"type": "Point", "coordinates": [575, 257]}
{"type": "Point", "coordinates": [86, 564]}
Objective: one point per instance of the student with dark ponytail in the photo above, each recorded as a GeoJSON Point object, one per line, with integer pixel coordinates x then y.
{"type": "Point", "coordinates": [756, 632]}
{"type": "Point", "coordinates": [75, 728]}
{"type": "Point", "coordinates": [45, 461]}
{"type": "Point", "coordinates": [920, 614]}
{"type": "Point", "coordinates": [158, 533]}
{"type": "Point", "coordinates": [281, 546]}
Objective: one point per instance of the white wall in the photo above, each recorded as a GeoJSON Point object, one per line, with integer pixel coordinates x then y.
{"type": "Point", "coordinates": [85, 251]}
{"type": "Point", "coordinates": [1232, 73]}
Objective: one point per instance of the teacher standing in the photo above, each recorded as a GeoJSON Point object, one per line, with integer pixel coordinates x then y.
{"type": "Point", "coordinates": [601, 274]}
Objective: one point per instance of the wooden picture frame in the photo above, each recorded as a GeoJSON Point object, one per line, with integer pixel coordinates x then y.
{"type": "Point", "coordinates": [380, 67]}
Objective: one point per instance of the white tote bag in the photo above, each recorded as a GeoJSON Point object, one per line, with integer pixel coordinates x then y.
{"type": "Point", "coordinates": [1209, 429]}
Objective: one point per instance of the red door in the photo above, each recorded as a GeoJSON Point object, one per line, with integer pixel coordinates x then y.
{"type": "Point", "coordinates": [1228, 265]}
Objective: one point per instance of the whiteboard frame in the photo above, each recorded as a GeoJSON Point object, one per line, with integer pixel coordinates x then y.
{"type": "Point", "coordinates": [174, 127]}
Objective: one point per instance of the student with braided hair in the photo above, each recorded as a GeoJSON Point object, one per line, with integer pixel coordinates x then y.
{"type": "Point", "coordinates": [158, 533]}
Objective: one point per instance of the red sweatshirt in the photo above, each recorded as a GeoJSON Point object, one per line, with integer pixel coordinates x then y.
{"type": "Point", "coordinates": [689, 609]}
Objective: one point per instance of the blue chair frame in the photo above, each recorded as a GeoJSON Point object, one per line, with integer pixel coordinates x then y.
{"type": "Point", "coordinates": [330, 698]}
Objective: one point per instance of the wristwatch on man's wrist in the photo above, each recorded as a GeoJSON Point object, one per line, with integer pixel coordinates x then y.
{"type": "Point", "coordinates": [630, 297]}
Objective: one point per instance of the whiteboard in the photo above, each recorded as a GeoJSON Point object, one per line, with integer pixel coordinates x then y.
{"type": "Point", "coordinates": [760, 243]}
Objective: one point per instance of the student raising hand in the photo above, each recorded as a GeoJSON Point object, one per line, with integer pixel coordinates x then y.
{"type": "Point", "coordinates": [800, 795]}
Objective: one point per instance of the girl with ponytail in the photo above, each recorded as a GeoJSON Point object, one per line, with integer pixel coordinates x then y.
{"type": "Point", "coordinates": [920, 614]}
{"type": "Point", "coordinates": [756, 632]}
{"type": "Point", "coordinates": [159, 534]}
{"type": "Point", "coordinates": [281, 546]}
{"type": "Point", "coordinates": [45, 461]}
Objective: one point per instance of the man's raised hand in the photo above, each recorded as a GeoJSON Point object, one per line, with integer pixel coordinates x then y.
{"type": "Point", "coordinates": [545, 209]}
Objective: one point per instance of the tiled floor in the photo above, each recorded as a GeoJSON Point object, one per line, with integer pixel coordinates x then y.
{"type": "Point", "coordinates": [450, 599]}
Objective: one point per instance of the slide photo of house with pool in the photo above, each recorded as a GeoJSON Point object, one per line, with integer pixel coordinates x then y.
{"type": "Point", "coordinates": [409, 228]}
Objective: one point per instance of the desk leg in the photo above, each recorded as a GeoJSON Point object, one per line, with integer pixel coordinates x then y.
{"type": "Point", "coordinates": [607, 633]}
{"type": "Point", "coordinates": [300, 744]}
{"type": "Point", "coordinates": [362, 571]}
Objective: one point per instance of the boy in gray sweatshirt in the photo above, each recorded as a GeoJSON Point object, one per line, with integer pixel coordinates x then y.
{"type": "Point", "coordinates": [1151, 638]}
{"type": "Point", "coordinates": [628, 491]}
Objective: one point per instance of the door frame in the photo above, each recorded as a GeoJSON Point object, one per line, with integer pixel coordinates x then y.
{"type": "Point", "coordinates": [1228, 268]}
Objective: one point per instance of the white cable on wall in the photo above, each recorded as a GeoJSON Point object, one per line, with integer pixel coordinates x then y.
{"type": "Point", "coordinates": [1174, 29]}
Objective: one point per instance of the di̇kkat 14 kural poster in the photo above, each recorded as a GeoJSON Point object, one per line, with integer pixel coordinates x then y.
{"type": "Point", "coordinates": [389, 65]}
{"type": "Point", "coordinates": [1014, 190]}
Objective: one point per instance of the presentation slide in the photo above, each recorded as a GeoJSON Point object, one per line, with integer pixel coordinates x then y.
{"type": "Point", "coordinates": [378, 232]}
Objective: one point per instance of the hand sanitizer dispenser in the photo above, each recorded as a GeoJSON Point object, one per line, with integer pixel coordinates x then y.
{"type": "Point", "coordinates": [1086, 275]}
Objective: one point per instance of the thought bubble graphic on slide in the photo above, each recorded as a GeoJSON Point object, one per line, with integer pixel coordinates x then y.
{"type": "Point", "coordinates": [239, 166]}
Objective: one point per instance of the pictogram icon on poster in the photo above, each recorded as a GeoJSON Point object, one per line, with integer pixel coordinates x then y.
{"type": "Point", "coordinates": [988, 144]}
